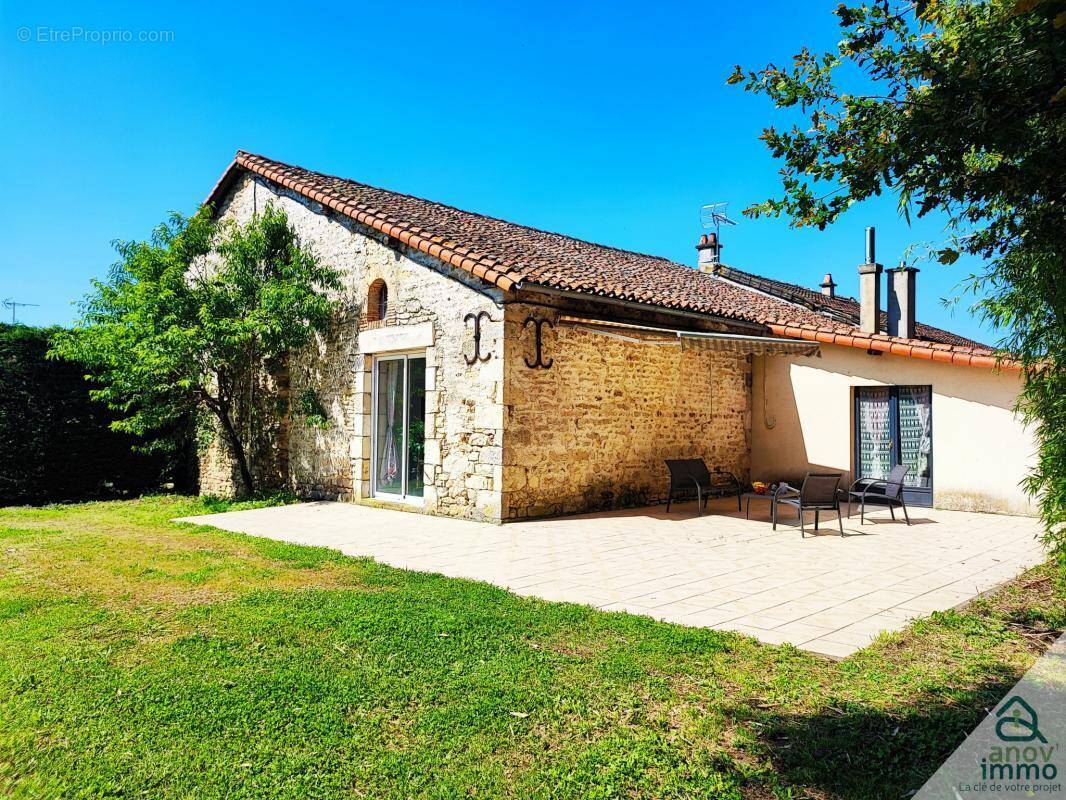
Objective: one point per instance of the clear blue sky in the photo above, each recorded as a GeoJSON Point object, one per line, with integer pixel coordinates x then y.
{"type": "Point", "coordinates": [607, 121]}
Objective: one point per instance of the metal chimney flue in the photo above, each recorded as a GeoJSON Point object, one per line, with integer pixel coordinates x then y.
{"type": "Point", "coordinates": [870, 287]}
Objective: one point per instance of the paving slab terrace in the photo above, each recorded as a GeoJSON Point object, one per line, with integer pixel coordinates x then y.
{"type": "Point", "coordinates": [825, 593]}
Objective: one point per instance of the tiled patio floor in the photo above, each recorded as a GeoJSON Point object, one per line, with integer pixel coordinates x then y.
{"type": "Point", "coordinates": [824, 593]}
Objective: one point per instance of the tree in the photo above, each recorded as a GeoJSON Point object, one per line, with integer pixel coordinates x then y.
{"type": "Point", "coordinates": [188, 319]}
{"type": "Point", "coordinates": [959, 107]}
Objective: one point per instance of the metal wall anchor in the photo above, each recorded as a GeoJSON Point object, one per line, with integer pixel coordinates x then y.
{"type": "Point", "coordinates": [538, 340]}
{"type": "Point", "coordinates": [471, 360]}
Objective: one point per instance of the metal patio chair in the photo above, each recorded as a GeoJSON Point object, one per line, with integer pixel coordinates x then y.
{"type": "Point", "coordinates": [687, 474]}
{"type": "Point", "coordinates": [880, 492]}
{"type": "Point", "coordinates": [818, 493]}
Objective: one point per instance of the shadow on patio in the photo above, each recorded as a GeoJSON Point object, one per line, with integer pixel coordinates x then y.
{"type": "Point", "coordinates": [759, 510]}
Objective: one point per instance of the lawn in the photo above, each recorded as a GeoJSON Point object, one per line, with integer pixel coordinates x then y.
{"type": "Point", "coordinates": [142, 658]}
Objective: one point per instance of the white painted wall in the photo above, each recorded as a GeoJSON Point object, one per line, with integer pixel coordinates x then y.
{"type": "Point", "coordinates": [802, 419]}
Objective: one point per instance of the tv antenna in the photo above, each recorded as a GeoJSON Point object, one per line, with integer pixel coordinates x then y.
{"type": "Point", "coordinates": [713, 215]}
{"type": "Point", "coordinates": [14, 306]}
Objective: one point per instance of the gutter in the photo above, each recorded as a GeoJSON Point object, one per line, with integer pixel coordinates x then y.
{"type": "Point", "coordinates": [734, 342]}
{"type": "Point", "coordinates": [897, 347]}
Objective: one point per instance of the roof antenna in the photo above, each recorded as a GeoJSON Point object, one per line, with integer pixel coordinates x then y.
{"type": "Point", "coordinates": [713, 215]}
{"type": "Point", "coordinates": [709, 248]}
{"type": "Point", "coordinates": [14, 306]}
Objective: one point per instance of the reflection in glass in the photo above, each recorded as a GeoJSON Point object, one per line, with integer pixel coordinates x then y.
{"type": "Point", "coordinates": [875, 436]}
{"type": "Point", "coordinates": [400, 426]}
{"type": "Point", "coordinates": [915, 434]}
{"type": "Point", "coordinates": [416, 425]}
{"type": "Point", "coordinates": [389, 427]}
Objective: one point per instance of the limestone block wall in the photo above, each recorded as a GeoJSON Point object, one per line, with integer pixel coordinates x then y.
{"type": "Point", "coordinates": [265, 399]}
{"type": "Point", "coordinates": [593, 430]}
{"type": "Point", "coordinates": [464, 403]}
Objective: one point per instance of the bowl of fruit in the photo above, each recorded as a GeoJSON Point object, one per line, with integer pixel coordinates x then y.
{"type": "Point", "coordinates": [760, 487]}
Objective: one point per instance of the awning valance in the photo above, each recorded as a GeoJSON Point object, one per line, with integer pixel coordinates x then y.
{"type": "Point", "coordinates": [697, 340]}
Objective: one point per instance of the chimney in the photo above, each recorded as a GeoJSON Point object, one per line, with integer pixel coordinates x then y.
{"type": "Point", "coordinates": [870, 288]}
{"type": "Point", "coordinates": [901, 301]}
{"type": "Point", "coordinates": [829, 288]}
{"type": "Point", "coordinates": [710, 251]}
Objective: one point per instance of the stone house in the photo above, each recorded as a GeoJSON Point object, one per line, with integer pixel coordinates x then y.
{"type": "Point", "coordinates": [492, 371]}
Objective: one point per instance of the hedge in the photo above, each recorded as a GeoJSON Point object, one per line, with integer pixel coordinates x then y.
{"type": "Point", "coordinates": [55, 441]}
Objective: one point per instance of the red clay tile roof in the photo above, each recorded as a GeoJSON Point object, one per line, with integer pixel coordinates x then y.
{"type": "Point", "coordinates": [845, 309]}
{"type": "Point", "coordinates": [512, 256]}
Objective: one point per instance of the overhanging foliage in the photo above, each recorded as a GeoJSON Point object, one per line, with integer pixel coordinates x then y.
{"type": "Point", "coordinates": [959, 107]}
{"type": "Point", "coordinates": [189, 320]}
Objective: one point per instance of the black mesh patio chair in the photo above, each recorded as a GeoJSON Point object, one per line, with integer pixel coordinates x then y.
{"type": "Point", "coordinates": [687, 474]}
{"type": "Point", "coordinates": [884, 492]}
{"type": "Point", "coordinates": [818, 493]}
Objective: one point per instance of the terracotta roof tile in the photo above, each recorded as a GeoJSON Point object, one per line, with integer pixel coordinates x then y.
{"type": "Point", "coordinates": [513, 256]}
{"type": "Point", "coordinates": [843, 308]}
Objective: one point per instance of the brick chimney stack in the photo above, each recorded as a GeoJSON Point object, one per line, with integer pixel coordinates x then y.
{"type": "Point", "coordinates": [870, 287]}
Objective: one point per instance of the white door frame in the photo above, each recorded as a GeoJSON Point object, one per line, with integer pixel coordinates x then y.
{"type": "Point", "coordinates": [403, 497]}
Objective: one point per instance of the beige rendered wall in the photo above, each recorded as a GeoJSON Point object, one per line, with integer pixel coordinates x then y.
{"type": "Point", "coordinates": [802, 419]}
{"type": "Point", "coordinates": [464, 410]}
{"type": "Point", "coordinates": [592, 431]}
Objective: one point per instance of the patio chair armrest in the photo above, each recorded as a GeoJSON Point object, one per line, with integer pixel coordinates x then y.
{"type": "Point", "coordinates": [867, 483]}
{"type": "Point", "coordinates": [682, 484]}
{"type": "Point", "coordinates": [732, 477]}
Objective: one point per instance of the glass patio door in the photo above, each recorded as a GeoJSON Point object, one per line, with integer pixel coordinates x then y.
{"type": "Point", "coordinates": [399, 440]}
{"type": "Point", "coordinates": [894, 425]}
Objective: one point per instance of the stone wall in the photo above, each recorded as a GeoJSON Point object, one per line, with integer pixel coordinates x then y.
{"type": "Point", "coordinates": [593, 430]}
{"type": "Point", "coordinates": [464, 416]}
{"type": "Point", "coordinates": [590, 432]}
{"type": "Point", "coordinates": [266, 440]}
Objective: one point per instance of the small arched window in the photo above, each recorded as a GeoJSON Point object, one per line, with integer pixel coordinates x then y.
{"type": "Point", "coordinates": [377, 301]}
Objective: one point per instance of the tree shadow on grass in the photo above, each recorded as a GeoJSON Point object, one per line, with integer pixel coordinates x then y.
{"type": "Point", "coordinates": [851, 750]}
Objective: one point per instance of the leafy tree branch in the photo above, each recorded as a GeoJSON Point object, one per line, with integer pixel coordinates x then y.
{"type": "Point", "coordinates": [959, 107]}
{"type": "Point", "coordinates": [188, 320]}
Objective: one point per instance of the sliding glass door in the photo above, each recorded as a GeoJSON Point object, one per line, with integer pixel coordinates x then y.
{"type": "Point", "coordinates": [399, 439]}
{"type": "Point", "coordinates": [894, 425]}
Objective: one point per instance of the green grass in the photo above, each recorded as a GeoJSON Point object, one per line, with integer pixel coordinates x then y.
{"type": "Point", "coordinates": [140, 658]}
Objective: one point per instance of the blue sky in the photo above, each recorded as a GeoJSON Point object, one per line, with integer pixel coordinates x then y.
{"type": "Point", "coordinates": [607, 121]}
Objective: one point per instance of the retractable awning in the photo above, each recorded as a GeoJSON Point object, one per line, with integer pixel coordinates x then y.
{"type": "Point", "coordinates": [698, 340]}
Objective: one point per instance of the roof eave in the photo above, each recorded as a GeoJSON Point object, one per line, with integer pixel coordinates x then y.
{"type": "Point", "coordinates": [636, 305]}
{"type": "Point", "coordinates": [897, 347]}
{"type": "Point", "coordinates": [501, 276]}
{"type": "Point", "coordinates": [222, 185]}
{"type": "Point", "coordinates": [364, 216]}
